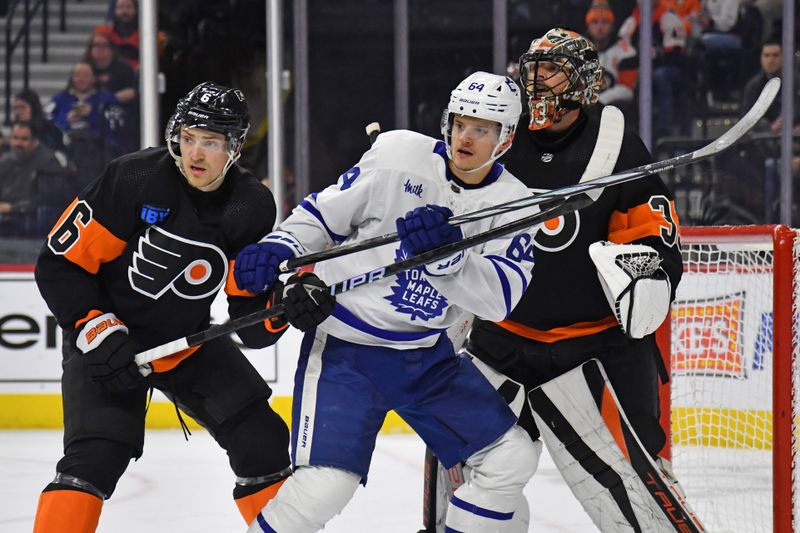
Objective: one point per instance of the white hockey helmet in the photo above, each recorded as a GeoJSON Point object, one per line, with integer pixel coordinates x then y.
{"type": "Point", "coordinates": [487, 96]}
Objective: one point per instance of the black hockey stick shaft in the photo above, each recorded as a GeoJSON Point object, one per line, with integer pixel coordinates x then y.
{"type": "Point", "coordinates": [561, 207]}
{"type": "Point", "coordinates": [712, 149]}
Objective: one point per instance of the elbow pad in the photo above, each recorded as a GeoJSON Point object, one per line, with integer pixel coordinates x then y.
{"type": "Point", "coordinates": [636, 287]}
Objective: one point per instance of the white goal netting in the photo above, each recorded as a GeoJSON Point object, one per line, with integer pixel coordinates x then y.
{"type": "Point", "coordinates": [723, 357]}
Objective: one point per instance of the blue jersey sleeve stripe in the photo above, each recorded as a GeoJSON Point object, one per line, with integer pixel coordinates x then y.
{"type": "Point", "coordinates": [513, 266]}
{"type": "Point", "coordinates": [308, 206]}
{"type": "Point", "coordinates": [344, 315]}
{"type": "Point", "coordinates": [503, 283]}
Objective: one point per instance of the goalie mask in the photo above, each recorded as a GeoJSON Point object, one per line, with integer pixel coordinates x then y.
{"type": "Point", "coordinates": [560, 72]}
{"type": "Point", "coordinates": [213, 108]}
{"type": "Point", "coordinates": [486, 96]}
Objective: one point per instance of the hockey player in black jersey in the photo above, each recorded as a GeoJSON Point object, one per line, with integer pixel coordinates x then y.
{"type": "Point", "coordinates": [135, 261]}
{"type": "Point", "coordinates": [580, 304]}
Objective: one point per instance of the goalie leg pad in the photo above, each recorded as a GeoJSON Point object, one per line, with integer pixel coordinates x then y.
{"type": "Point", "coordinates": [487, 501]}
{"type": "Point", "coordinates": [601, 459]}
{"type": "Point", "coordinates": [307, 500]}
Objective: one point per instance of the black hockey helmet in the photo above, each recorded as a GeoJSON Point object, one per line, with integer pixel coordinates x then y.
{"type": "Point", "coordinates": [214, 108]}
{"type": "Point", "coordinates": [562, 50]}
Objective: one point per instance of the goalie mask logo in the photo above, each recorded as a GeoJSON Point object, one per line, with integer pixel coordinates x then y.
{"type": "Point", "coordinates": [413, 295]}
{"type": "Point", "coordinates": [192, 270]}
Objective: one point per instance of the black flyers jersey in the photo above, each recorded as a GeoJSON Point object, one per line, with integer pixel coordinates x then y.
{"type": "Point", "coordinates": [565, 299]}
{"type": "Point", "coordinates": [143, 244]}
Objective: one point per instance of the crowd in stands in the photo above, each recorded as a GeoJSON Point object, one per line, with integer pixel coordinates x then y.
{"type": "Point", "coordinates": [710, 60]}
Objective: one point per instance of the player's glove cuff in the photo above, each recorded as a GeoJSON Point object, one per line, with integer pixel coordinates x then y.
{"type": "Point", "coordinates": [108, 353]}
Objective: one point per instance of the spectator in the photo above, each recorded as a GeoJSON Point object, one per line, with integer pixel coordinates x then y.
{"type": "Point", "coordinates": [617, 56]}
{"type": "Point", "coordinates": [116, 76]}
{"type": "Point", "coordinates": [28, 108]}
{"type": "Point", "coordinates": [772, 122]}
{"type": "Point", "coordinates": [673, 23]}
{"type": "Point", "coordinates": [124, 31]}
{"type": "Point", "coordinates": [724, 27]}
{"type": "Point", "coordinates": [91, 120]}
{"type": "Point", "coordinates": [19, 170]}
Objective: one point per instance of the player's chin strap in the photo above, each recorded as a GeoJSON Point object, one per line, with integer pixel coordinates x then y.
{"type": "Point", "coordinates": [621, 487]}
{"type": "Point", "coordinates": [232, 158]}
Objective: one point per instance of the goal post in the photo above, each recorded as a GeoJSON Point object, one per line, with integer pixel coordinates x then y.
{"type": "Point", "coordinates": [732, 346]}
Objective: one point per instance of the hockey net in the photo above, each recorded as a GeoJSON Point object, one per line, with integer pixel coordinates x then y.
{"type": "Point", "coordinates": [734, 361]}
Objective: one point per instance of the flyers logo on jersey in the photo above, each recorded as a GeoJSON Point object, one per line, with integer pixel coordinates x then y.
{"type": "Point", "coordinates": [558, 233]}
{"type": "Point", "coordinates": [164, 262]}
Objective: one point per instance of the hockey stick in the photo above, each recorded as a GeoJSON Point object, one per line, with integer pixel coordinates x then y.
{"type": "Point", "coordinates": [714, 148]}
{"type": "Point", "coordinates": [560, 201]}
{"type": "Point", "coordinates": [563, 206]}
{"type": "Point", "coordinates": [373, 130]}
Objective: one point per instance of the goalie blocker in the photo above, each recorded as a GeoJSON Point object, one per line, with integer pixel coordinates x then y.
{"type": "Point", "coordinates": [599, 455]}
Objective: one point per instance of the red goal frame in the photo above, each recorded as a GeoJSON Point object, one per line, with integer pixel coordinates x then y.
{"type": "Point", "coordinates": [782, 238]}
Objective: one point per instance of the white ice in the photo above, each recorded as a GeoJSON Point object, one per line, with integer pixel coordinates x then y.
{"type": "Point", "coordinates": [180, 487]}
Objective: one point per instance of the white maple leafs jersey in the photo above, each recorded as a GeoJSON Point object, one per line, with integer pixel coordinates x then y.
{"type": "Point", "coordinates": [402, 171]}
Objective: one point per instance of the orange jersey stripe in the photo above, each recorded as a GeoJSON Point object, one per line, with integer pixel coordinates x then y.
{"type": "Point", "coordinates": [95, 246]}
{"type": "Point", "coordinates": [639, 222]}
{"type": "Point", "coordinates": [230, 283]}
{"type": "Point", "coordinates": [171, 361]}
{"type": "Point", "coordinates": [628, 77]}
{"type": "Point", "coordinates": [67, 511]}
{"type": "Point", "coordinates": [610, 414]}
{"type": "Point", "coordinates": [579, 329]}
{"type": "Point", "coordinates": [90, 315]}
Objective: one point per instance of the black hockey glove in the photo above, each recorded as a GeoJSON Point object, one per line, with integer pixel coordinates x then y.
{"type": "Point", "coordinates": [109, 353]}
{"type": "Point", "coordinates": [307, 301]}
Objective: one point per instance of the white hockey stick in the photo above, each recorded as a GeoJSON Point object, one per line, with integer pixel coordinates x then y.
{"type": "Point", "coordinates": [591, 187]}
{"type": "Point", "coordinates": [556, 202]}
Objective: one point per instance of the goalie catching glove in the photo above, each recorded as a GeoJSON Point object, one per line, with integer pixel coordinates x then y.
{"type": "Point", "coordinates": [306, 300]}
{"type": "Point", "coordinates": [109, 353]}
{"type": "Point", "coordinates": [637, 288]}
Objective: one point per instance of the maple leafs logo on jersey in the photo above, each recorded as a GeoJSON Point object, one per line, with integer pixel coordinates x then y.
{"type": "Point", "coordinates": [163, 262]}
{"type": "Point", "coordinates": [413, 295]}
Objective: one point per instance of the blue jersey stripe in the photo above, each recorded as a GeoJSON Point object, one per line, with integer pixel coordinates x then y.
{"type": "Point", "coordinates": [480, 511]}
{"type": "Point", "coordinates": [308, 206]}
{"type": "Point", "coordinates": [513, 266]}
{"type": "Point", "coordinates": [354, 322]}
{"type": "Point", "coordinates": [503, 283]}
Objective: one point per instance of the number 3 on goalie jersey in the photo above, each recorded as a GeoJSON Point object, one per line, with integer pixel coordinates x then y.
{"type": "Point", "coordinates": [69, 231]}
{"type": "Point", "coordinates": [669, 233]}
{"type": "Point", "coordinates": [521, 248]}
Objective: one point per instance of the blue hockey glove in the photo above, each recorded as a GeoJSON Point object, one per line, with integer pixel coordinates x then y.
{"type": "Point", "coordinates": [426, 228]}
{"type": "Point", "coordinates": [256, 266]}
{"type": "Point", "coordinates": [307, 301]}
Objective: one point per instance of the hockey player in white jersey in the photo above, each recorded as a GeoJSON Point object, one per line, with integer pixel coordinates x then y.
{"type": "Point", "coordinates": [384, 347]}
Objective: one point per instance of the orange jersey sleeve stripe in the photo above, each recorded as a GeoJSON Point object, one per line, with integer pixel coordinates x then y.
{"type": "Point", "coordinates": [90, 315]}
{"type": "Point", "coordinates": [171, 361]}
{"type": "Point", "coordinates": [230, 283]}
{"type": "Point", "coordinates": [639, 222]}
{"type": "Point", "coordinates": [95, 246]}
{"type": "Point", "coordinates": [579, 329]}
